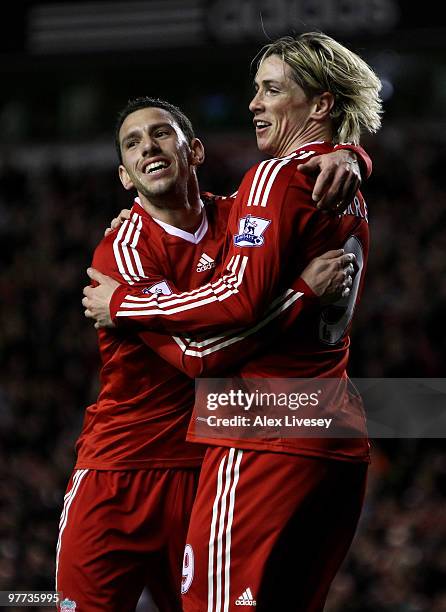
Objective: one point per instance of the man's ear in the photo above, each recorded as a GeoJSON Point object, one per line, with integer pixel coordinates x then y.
{"type": "Point", "coordinates": [324, 103]}
{"type": "Point", "coordinates": [197, 152]}
{"type": "Point", "coordinates": [124, 178]}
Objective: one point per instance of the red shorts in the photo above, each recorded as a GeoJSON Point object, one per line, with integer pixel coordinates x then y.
{"type": "Point", "coordinates": [269, 530]}
{"type": "Point", "coordinates": [121, 531]}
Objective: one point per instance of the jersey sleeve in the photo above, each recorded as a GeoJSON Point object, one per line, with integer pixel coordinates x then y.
{"type": "Point", "coordinates": [365, 163]}
{"type": "Point", "coordinates": [123, 256]}
{"type": "Point", "coordinates": [214, 354]}
{"type": "Point", "coordinates": [261, 235]}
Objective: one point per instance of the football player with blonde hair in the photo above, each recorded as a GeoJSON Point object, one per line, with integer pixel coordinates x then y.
{"type": "Point", "coordinates": [274, 517]}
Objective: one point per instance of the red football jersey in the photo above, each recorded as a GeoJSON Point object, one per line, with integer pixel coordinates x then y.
{"type": "Point", "coordinates": [144, 406]}
{"type": "Point", "coordinates": [274, 230]}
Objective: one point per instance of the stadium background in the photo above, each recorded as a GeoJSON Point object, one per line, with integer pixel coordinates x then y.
{"type": "Point", "coordinates": [66, 69]}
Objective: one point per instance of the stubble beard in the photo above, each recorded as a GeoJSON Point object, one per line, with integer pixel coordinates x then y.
{"type": "Point", "coordinates": [157, 190]}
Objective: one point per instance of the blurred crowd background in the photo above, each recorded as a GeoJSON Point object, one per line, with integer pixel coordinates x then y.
{"type": "Point", "coordinates": [66, 71]}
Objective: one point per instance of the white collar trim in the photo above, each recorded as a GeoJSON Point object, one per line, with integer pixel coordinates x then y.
{"type": "Point", "coordinates": [194, 238]}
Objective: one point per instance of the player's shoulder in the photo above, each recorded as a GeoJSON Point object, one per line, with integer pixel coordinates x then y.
{"type": "Point", "coordinates": [271, 177]}
{"type": "Point", "coordinates": [299, 179]}
{"type": "Point", "coordinates": [103, 253]}
{"type": "Point", "coordinates": [318, 147]}
{"type": "Point", "coordinates": [305, 153]}
{"type": "Point", "coordinates": [124, 242]}
{"type": "Point", "coordinates": [268, 172]}
{"type": "Point", "coordinates": [217, 206]}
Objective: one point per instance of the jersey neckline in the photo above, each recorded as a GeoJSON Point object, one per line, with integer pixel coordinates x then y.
{"type": "Point", "coordinates": [194, 237]}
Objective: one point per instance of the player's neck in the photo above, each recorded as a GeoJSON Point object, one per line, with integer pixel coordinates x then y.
{"type": "Point", "coordinates": [184, 215]}
{"type": "Point", "coordinates": [313, 133]}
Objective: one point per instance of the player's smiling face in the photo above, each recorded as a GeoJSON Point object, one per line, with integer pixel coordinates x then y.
{"type": "Point", "coordinates": [155, 154]}
{"type": "Point", "coordinates": [280, 107]}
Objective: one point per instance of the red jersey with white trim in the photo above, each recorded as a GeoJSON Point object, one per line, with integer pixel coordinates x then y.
{"type": "Point", "coordinates": [274, 230]}
{"type": "Point", "coordinates": [144, 405]}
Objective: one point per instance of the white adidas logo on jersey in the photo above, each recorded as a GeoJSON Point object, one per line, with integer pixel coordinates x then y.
{"type": "Point", "coordinates": [205, 263]}
{"type": "Point", "coordinates": [246, 599]}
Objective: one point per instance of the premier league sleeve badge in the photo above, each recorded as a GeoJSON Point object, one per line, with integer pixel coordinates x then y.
{"type": "Point", "coordinates": [251, 230]}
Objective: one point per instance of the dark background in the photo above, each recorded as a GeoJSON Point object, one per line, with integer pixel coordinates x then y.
{"type": "Point", "coordinates": [66, 70]}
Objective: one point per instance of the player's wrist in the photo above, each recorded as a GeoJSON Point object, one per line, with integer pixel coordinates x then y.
{"type": "Point", "coordinates": [299, 285]}
{"type": "Point", "coordinates": [364, 161]}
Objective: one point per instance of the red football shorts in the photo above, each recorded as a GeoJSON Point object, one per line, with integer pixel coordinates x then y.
{"type": "Point", "coordinates": [269, 530]}
{"type": "Point", "coordinates": [121, 531]}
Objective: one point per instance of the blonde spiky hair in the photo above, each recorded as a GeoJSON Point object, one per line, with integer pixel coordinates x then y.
{"type": "Point", "coordinates": [319, 63]}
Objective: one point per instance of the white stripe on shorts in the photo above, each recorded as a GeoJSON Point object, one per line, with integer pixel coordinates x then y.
{"type": "Point", "coordinates": [223, 513]}
{"type": "Point", "coordinates": [68, 500]}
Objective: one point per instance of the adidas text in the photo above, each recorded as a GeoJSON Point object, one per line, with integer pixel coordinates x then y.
{"type": "Point", "coordinates": [246, 599]}
{"type": "Point", "coordinates": [203, 267]}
